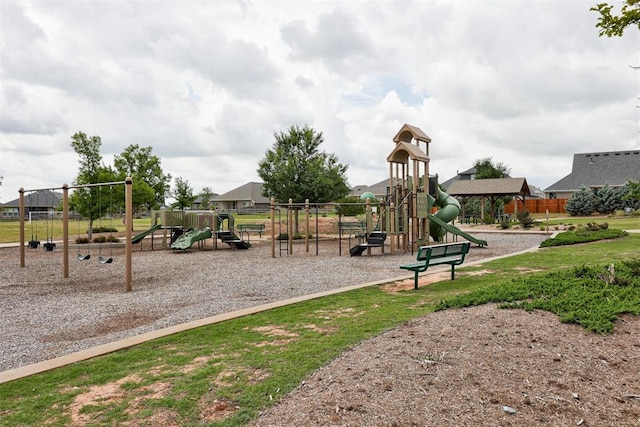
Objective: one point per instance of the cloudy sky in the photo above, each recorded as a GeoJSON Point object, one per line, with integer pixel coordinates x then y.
{"type": "Point", "coordinates": [207, 83]}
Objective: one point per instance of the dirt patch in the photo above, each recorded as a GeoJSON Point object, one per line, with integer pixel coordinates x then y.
{"type": "Point", "coordinates": [108, 326]}
{"type": "Point", "coordinates": [476, 366]}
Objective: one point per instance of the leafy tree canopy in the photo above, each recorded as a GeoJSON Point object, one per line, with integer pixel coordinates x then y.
{"type": "Point", "coordinates": [486, 169]}
{"type": "Point", "coordinates": [183, 193]}
{"type": "Point", "coordinates": [206, 196]}
{"type": "Point", "coordinates": [150, 183]}
{"type": "Point", "coordinates": [614, 25]}
{"type": "Point", "coordinates": [91, 202]}
{"type": "Point", "coordinates": [295, 169]}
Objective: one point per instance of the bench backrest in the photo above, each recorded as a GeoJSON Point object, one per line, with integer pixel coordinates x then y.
{"type": "Point", "coordinates": [426, 253]}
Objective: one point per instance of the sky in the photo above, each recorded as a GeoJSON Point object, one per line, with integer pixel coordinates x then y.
{"type": "Point", "coordinates": [207, 84]}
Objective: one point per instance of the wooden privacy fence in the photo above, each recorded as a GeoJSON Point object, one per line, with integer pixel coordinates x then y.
{"type": "Point", "coordinates": [537, 206]}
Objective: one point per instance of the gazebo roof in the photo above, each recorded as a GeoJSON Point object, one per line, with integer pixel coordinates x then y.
{"type": "Point", "coordinates": [490, 187]}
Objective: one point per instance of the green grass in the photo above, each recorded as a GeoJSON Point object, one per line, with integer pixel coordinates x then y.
{"type": "Point", "coordinates": [248, 363]}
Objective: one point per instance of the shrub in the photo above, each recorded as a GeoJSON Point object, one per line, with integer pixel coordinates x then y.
{"type": "Point", "coordinates": [82, 240]}
{"type": "Point", "coordinates": [488, 220]}
{"type": "Point", "coordinates": [582, 236]}
{"type": "Point", "coordinates": [524, 217]}
{"type": "Point", "coordinates": [580, 203]}
{"type": "Point", "coordinates": [505, 224]}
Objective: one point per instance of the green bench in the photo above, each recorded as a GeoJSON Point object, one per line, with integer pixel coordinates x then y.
{"type": "Point", "coordinates": [447, 253]}
{"type": "Point", "coordinates": [251, 228]}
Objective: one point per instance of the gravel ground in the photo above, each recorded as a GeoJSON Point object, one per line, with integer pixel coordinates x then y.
{"type": "Point", "coordinates": [43, 316]}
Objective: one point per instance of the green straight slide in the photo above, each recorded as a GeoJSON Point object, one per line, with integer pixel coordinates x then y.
{"type": "Point", "coordinates": [455, 230]}
{"type": "Point", "coordinates": [138, 237]}
{"type": "Point", "coordinates": [190, 237]}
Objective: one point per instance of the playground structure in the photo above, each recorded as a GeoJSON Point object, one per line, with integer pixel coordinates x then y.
{"type": "Point", "coordinates": [183, 229]}
{"type": "Point", "coordinates": [413, 194]}
{"type": "Point", "coordinates": [128, 217]}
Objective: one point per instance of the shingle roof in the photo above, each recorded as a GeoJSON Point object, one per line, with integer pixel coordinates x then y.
{"type": "Point", "coordinates": [597, 169]}
{"type": "Point", "coordinates": [42, 198]}
{"type": "Point", "coordinates": [489, 187]}
{"type": "Point", "coordinates": [249, 191]}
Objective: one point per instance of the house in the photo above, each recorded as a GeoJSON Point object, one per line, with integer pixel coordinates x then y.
{"type": "Point", "coordinates": [245, 199]}
{"type": "Point", "coordinates": [379, 189]}
{"type": "Point", "coordinates": [593, 170]}
{"type": "Point", "coordinates": [461, 176]}
{"type": "Point", "coordinates": [41, 203]}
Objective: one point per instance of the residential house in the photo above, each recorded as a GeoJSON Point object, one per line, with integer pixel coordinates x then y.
{"type": "Point", "coordinates": [40, 203]}
{"type": "Point", "coordinates": [593, 170]}
{"type": "Point", "coordinates": [245, 199]}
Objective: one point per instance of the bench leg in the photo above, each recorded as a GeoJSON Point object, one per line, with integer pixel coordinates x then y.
{"type": "Point", "coordinates": [415, 281]}
{"type": "Point", "coordinates": [453, 272]}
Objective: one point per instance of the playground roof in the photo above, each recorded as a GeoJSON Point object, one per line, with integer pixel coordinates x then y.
{"type": "Point", "coordinates": [490, 187]}
{"type": "Point", "coordinates": [597, 169]}
{"type": "Point", "coordinates": [407, 132]}
{"type": "Point", "coordinates": [404, 151]}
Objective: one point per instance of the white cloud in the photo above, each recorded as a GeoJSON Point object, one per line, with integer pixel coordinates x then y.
{"type": "Point", "coordinates": [207, 84]}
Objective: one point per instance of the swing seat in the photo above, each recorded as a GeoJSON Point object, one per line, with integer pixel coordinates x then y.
{"type": "Point", "coordinates": [33, 244]}
{"type": "Point", "coordinates": [83, 257]}
{"type": "Point", "coordinates": [104, 260]}
{"type": "Point", "coordinates": [49, 246]}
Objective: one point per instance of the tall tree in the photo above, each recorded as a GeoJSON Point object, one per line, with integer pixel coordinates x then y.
{"type": "Point", "coordinates": [614, 25]}
{"type": "Point", "coordinates": [150, 183]}
{"type": "Point", "coordinates": [206, 196]}
{"type": "Point", "coordinates": [487, 169]}
{"type": "Point", "coordinates": [183, 193]}
{"type": "Point", "coordinates": [90, 202]}
{"type": "Point", "coordinates": [295, 168]}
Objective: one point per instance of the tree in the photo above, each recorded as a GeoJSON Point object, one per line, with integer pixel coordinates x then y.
{"type": "Point", "coordinates": [206, 196]}
{"type": "Point", "coordinates": [486, 169]}
{"type": "Point", "coordinates": [295, 169]}
{"type": "Point", "coordinates": [183, 193]}
{"type": "Point", "coordinates": [614, 25]}
{"type": "Point", "coordinates": [580, 203]}
{"type": "Point", "coordinates": [631, 195]}
{"type": "Point", "coordinates": [90, 202]}
{"type": "Point", "coordinates": [607, 199]}
{"type": "Point", "coordinates": [150, 183]}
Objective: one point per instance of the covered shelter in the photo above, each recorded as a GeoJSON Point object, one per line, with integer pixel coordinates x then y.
{"type": "Point", "coordinates": [492, 188]}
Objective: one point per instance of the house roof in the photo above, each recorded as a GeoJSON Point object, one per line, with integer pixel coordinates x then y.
{"type": "Point", "coordinates": [597, 169]}
{"type": "Point", "coordinates": [42, 198]}
{"type": "Point", "coordinates": [489, 187]}
{"type": "Point", "coordinates": [468, 174]}
{"type": "Point", "coordinates": [378, 189]}
{"type": "Point", "coordinates": [250, 191]}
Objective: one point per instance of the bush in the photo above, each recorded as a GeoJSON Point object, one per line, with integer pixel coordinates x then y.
{"type": "Point", "coordinates": [82, 240]}
{"type": "Point", "coordinates": [346, 209]}
{"type": "Point", "coordinates": [488, 220]}
{"type": "Point", "coordinates": [524, 217]}
{"type": "Point", "coordinates": [582, 236]}
{"type": "Point", "coordinates": [505, 224]}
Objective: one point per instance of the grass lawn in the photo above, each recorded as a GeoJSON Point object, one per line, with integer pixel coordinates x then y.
{"type": "Point", "coordinates": [246, 364]}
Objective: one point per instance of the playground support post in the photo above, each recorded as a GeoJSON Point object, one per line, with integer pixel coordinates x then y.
{"type": "Point", "coordinates": [273, 227]}
{"type": "Point", "coordinates": [306, 228]}
{"type": "Point", "coordinates": [290, 226]}
{"type": "Point", "coordinates": [128, 215]}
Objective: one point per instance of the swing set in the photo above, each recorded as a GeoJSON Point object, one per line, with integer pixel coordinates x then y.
{"type": "Point", "coordinates": [128, 183]}
{"type": "Point", "coordinates": [101, 259]}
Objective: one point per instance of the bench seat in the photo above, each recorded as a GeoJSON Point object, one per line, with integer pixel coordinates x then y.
{"type": "Point", "coordinates": [448, 253]}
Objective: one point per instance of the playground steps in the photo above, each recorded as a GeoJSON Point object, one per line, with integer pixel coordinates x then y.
{"type": "Point", "coordinates": [232, 240]}
{"type": "Point", "coordinates": [374, 240]}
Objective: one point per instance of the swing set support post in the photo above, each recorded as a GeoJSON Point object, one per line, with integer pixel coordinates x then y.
{"type": "Point", "coordinates": [128, 214]}
{"type": "Point", "coordinates": [21, 212]}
